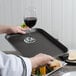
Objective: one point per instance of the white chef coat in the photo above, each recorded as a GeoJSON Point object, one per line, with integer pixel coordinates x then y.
{"type": "Point", "coordinates": [11, 65]}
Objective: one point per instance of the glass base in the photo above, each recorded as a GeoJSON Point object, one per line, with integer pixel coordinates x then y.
{"type": "Point", "coordinates": [29, 40]}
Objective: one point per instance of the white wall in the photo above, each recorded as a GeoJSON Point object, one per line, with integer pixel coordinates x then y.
{"type": "Point", "coordinates": [57, 17]}
{"type": "Point", "coordinates": [64, 21]}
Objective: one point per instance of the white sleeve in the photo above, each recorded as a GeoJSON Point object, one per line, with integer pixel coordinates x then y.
{"type": "Point", "coordinates": [28, 65]}
{"type": "Point", "coordinates": [11, 65]}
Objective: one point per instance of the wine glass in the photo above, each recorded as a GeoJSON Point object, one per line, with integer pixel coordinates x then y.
{"type": "Point", "coordinates": [30, 20]}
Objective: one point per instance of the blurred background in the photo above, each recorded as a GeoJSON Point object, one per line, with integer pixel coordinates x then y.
{"type": "Point", "coordinates": [57, 17]}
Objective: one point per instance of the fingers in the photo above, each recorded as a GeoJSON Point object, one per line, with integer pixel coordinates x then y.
{"type": "Point", "coordinates": [18, 29]}
{"type": "Point", "coordinates": [48, 57]}
{"type": "Point", "coordinates": [42, 59]}
{"type": "Point", "coordinates": [52, 61]}
{"type": "Point", "coordinates": [55, 64]}
{"type": "Point", "coordinates": [22, 30]}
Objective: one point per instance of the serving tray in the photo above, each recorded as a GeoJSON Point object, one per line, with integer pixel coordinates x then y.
{"type": "Point", "coordinates": [44, 43]}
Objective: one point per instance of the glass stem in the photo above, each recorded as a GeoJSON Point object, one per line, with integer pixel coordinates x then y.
{"type": "Point", "coordinates": [30, 33]}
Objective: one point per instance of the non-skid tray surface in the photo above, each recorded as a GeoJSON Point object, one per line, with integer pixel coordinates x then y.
{"type": "Point", "coordinates": [44, 44]}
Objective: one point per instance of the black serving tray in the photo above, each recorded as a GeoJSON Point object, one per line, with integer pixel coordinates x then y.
{"type": "Point", "coordinates": [45, 43]}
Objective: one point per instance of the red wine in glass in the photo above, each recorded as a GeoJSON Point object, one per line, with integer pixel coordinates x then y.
{"type": "Point", "coordinates": [30, 21]}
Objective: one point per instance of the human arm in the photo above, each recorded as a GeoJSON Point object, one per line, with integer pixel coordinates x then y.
{"type": "Point", "coordinates": [12, 29]}
{"type": "Point", "coordinates": [11, 65]}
